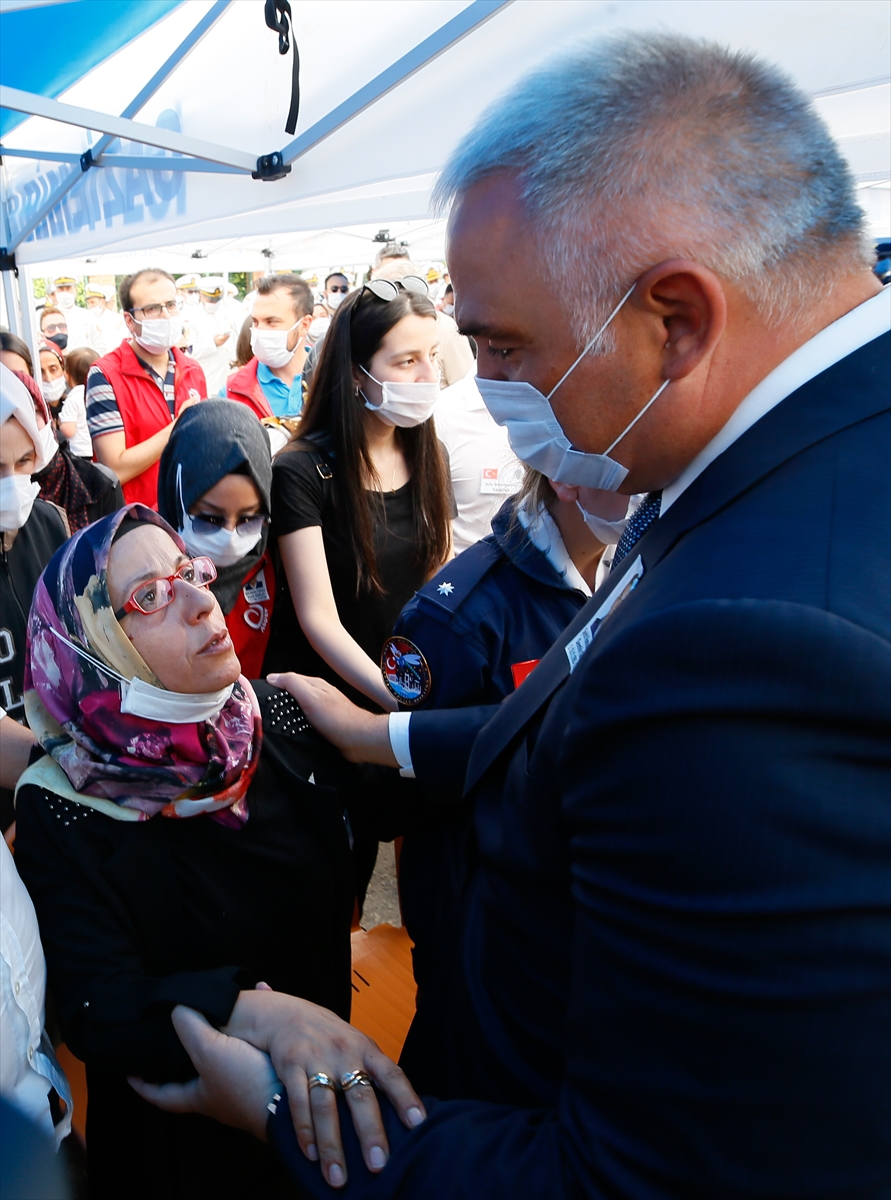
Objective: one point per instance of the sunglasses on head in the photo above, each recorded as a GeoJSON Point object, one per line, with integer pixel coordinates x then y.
{"type": "Point", "coordinates": [386, 289]}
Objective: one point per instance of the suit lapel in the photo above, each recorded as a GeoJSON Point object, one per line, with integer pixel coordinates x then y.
{"type": "Point", "coordinates": [848, 392]}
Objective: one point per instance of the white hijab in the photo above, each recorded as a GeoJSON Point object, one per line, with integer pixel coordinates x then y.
{"type": "Point", "coordinates": [16, 401]}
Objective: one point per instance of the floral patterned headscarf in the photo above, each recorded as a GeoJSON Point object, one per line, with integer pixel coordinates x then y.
{"type": "Point", "coordinates": [125, 765]}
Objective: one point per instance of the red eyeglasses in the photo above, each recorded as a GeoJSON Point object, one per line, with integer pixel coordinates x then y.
{"type": "Point", "coordinates": [155, 594]}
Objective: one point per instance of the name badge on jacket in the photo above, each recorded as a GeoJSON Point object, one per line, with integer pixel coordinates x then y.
{"type": "Point", "coordinates": [583, 639]}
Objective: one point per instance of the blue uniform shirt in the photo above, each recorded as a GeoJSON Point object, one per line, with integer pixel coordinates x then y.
{"type": "Point", "coordinates": [283, 400]}
{"type": "Point", "coordinates": [497, 604]}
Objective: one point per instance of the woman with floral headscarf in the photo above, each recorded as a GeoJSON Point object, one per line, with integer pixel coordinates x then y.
{"type": "Point", "coordinates": [182, 840]}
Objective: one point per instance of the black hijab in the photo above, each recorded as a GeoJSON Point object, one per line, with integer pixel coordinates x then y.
{"type": "Point", "coordinates": [210, 440]}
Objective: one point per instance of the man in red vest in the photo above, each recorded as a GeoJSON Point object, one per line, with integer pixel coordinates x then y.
{"type": "Point", "coordinates": [135, 394]}
{"type": "Point", "coordinates": [272, 382]}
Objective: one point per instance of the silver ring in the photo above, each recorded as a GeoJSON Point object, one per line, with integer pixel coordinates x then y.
{"type": "Point", "coordinates": [355, 1079]}
{"type": "Point", "coordinates": [320, 1079]}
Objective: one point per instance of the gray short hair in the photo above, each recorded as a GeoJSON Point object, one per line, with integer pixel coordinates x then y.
{"type": "Point", "coordinates": [641, 148]}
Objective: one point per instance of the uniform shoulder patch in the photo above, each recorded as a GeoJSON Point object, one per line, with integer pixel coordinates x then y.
{"type": "Point", "coordinates": [405, 671]}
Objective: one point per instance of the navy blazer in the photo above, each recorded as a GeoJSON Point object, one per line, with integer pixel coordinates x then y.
{"type": "Point", "coordinates": [673, 971]}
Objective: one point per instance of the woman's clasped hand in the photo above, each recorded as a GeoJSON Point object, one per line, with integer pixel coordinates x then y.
{"type": "Point", "coordinates": [274, 1041]}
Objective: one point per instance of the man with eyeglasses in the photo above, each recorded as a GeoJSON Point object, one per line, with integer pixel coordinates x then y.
{"type": "Point", "coordinates": [136, 392]}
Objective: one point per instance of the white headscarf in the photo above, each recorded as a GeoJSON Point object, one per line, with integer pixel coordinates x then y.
{"type": "Point", "coordinates": [16, 401]}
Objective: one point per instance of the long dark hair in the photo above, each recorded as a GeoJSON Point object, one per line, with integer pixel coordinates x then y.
{"type": "Point", "coordinates": [334, 414]}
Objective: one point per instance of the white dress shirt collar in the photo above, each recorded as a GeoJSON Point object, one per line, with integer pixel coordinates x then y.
{"type": "Point", "coordinates": [855, 329]}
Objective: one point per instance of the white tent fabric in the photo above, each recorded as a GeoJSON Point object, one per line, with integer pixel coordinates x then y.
{"type": "Point", "coordinates": [375, 169]}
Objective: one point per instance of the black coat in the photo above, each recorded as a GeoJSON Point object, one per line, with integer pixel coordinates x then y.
{"type": "Point", "coordinates": [136, 917]}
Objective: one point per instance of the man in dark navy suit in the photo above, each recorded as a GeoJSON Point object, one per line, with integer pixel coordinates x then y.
{"type": "Point", "coordinates": [672, 974]}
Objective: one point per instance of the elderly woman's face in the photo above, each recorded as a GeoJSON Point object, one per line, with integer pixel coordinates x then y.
{"type": "Point", "coordinates": [186, 644]}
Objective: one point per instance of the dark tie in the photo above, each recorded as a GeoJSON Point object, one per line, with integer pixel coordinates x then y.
{"type": "Point", "coordinates": [641, 520]}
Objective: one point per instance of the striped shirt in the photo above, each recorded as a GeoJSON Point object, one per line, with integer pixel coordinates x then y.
{"type": "Point", "coordinates": [103, 414]}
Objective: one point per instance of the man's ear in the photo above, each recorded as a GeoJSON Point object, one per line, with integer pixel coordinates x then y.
{"type": "Point", "coordinates": [688, 307]}
{"type": "Point", "coordinates": [568, 493]}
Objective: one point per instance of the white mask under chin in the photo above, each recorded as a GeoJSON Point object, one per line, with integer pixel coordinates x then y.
{"type": "Point", "coordinates": [141, 699]}
{"type": "Point", "coordinates": [605, 531]}
{"type": "Point", "coordinates": [17, 496]}
{"type": "Point", "coordinates": [403, 404]}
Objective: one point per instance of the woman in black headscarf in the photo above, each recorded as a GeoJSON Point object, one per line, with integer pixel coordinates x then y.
{"type": "Point", "coordinates": [214, 486]}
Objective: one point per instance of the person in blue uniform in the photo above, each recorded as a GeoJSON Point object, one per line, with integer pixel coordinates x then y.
{"type": "Point", "coordinates": [479, 627]}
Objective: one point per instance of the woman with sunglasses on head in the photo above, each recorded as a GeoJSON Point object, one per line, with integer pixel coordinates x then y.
{"type": "Point", "coordinates": [361, 500]}
{"type": "Point", "coordinates": [183, 839]}
{"type": "Point", "coordinates": [214, 485]}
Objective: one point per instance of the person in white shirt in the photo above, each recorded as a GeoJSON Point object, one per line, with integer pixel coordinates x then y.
{"type": "Point", "coordinates": [64, 290]}
{"type": "Point", "coordinates": [214, 333]}
{"type": "Point", "coordinates": [29, 1070]}
{"type": "Point", "coordinates": [107, 328]}
{"type": "Point", "coordinates": [73, 413]}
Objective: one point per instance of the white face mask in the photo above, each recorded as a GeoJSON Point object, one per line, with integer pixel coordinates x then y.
{"type": "Point", "coordinates": [448, 309]}
{"type": "Point", "coordinates": [318, 328]}
{"type": "Point", "coordinates": [141, 699]}
{"type": "Point", "coordinates": [211, 306]}
{"type": "Point", "coordinates": [162, 334]}
{"type": "Point", "coordinates": [403, 404]}
{"type": "Point", "coordinates": [53, 390]}
{"type": "Point", "coordinates": [536, 436]}
{"type": "Point", "coordinates": [335, 300]}
{"type": "Point", "coordinates": [48, 444]}
{"type": "Point", "coordinates": [191, 298]}
{"type": "Point", "coordinates": [605, 531]}
{"type": "Point", "coordinates": [17, 496]}
{"type": "Point", "coordinates": [224, 547]}
{"type": "Point", "coordinates": [270, 346]}
{"type": "Point", "coordinates": [172, 708]}
{"type": "Point", "coordinates": [65, 300]}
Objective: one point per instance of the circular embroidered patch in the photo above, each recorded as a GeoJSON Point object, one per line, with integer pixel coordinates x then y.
{"type": "Point", "coordinates": [405, 671]}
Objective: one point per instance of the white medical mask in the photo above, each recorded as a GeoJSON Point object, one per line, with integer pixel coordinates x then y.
{"type": "Point", "coordinates": [211, 306]}
{"type": "Point", "coordinates": [335, 300]}
{"type": "Point", "coordinates": [448, 309]}
{"type": "Point", "coordinates": [403, 404]}
{"type": "Point", "coordinates": [536, 436]}
{"type": "Point", "coordinates": [48, 444]}
{"type": "Point", "coordinates": [140, 699]}
{"type": "Point", "coordinates": [318, 328]}
{"type": "Point", "coordinates": [65, 300]}
{"type": "Point", "coordinates": [17, 496]}
{"type": "Point", "coordinates": [605, 531]}
{"type": "Point", "coordinates": [224, 547]}
{"type": "Point", "coordinates": [191, 298]}
{"type": "Point", "coordinates": [162, 334]}
{"type": "Point", "coordinates": [270, 346]}
{"type": "Point", "coordinates": [53, 390]}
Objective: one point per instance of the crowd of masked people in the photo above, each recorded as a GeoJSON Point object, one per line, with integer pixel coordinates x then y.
{"type": "Point", "coordinates": [279, 584]}
{"type": "Point", "coordinates": [307, 523]}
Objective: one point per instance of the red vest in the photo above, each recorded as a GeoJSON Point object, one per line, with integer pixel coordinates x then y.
{"type": "Point", "coordinates": [144, 409]}
{"type": "Point", "coordinates": [248, 620]}
{"type": "Point", "coordinates": [245, 386]}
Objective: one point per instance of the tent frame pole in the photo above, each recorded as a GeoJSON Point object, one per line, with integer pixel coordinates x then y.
{"type": "Point", "coordinates": [437, 43]}
{"type": "Point", "coordinates": [11, 303]}
{"type": "Point", "coordinates": [30, 331]}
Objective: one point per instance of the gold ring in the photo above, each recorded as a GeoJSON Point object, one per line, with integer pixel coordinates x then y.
{"type": "Point", "coordinates": [320, 1079]}
{"type": "Point", "coordinates": [355, 1079]}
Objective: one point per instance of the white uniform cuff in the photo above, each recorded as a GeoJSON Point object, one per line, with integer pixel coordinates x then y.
{"type": "Point", "coordinates": [397, 727]}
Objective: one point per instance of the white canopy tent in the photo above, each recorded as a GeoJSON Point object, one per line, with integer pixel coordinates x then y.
{"type": "Point", "coordinates": [386, 91]}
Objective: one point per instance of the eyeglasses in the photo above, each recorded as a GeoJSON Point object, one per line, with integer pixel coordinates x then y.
{"type": "Point", "coordinates": [153, 311]}
{"type": "Point", "coordinates": [246, 526]}
{"type": "Point", "coordinates": [155, 594]}
{"type": "Point", "coordinates": [386, 289]}
{"type": "Point", "coordinates": [61, 327]}
{"type": "Point", "coordinates": [344, 289]}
